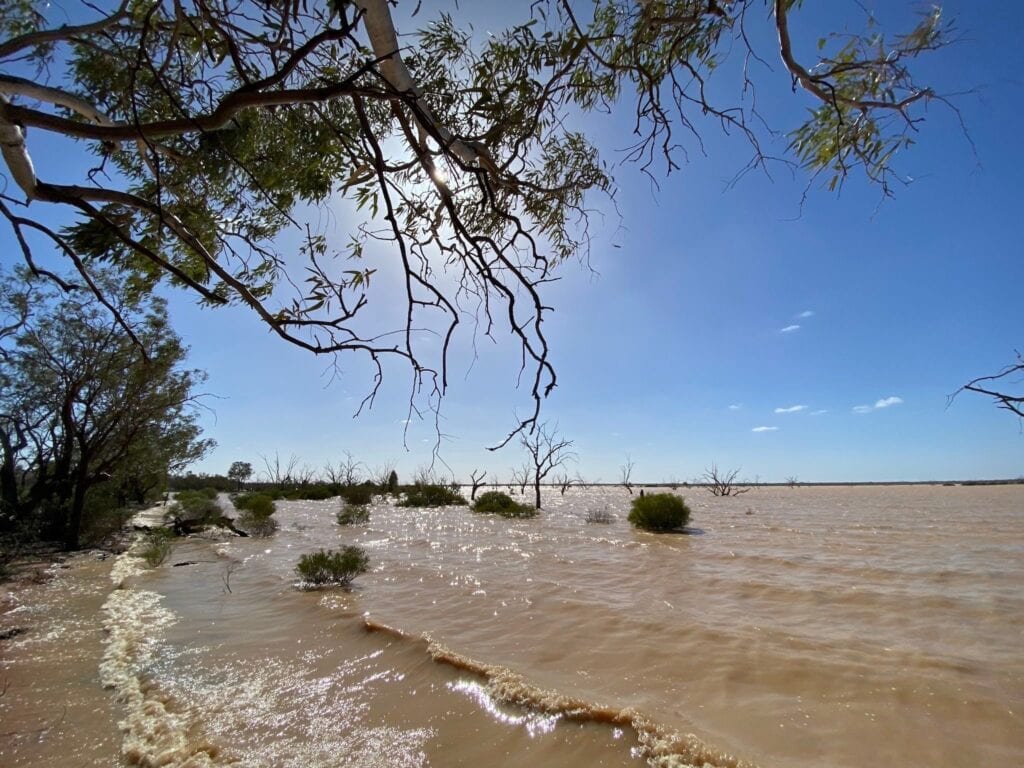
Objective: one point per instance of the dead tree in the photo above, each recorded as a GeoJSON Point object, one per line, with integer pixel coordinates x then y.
{"type": "Point", "coordinates": [1014, 403]}
{"type": "Point", "coordinates": [626, 474]}
{"type": "Point", "coordinates": [281, 474]}
{"type": "Point", "coordinates": [476, 479]}
{"type": "Point", "coordinates": [520, 477]}
{"type": "Point", "coordinates": [346, 472]}
{"type": "Point", "coordinates": [723, 483]}
{"type": "Point", "coordinates": [547, 451]}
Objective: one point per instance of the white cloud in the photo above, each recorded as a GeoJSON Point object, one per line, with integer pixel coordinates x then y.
{"type": "Point", "coordinates": [819, 412]}
{"type": "Point", "coordinates": [885, 402]}
{"type": "Point", "coordinates": [789, 329]}
{"type": "Point", "coordinates": [764, 429]}
{"type": "Point", "coordinates": [806, 313]}
{"type": "Point", "coordinates": [735, 406]}
{"type": "Point", "coordinates": [791, 409]}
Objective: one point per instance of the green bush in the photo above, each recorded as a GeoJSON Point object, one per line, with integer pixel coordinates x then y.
{"type": "Point", "coordinates": [257, 526]}
{"type": "Point", "coordinates": [209, 492]}
{"type": "Point", "coordinates": [196, 506]}
{"type": "Point", "coordinates": [353, 514]}
{"type": "Point", "coordinates": [157, 546]}
{"type": "Point", "coordinates": [316, 492]}
{"type": "Point", "coordinates": [257, 513]}
{"type": "Point", "coordinates": [330, 567]}
{"type": "Point", "coordinates": [392, 486]}
{"type": "Point", "coordinates": [422, 495]}
{"type": "Point", "coordinates": [659, 512]}
{"type": "Point", "coordinates": [498, 503]}
{"type": "Point", "coordinates": [357, 495]}
{"type": "Point", "coordinates": [260, 504]}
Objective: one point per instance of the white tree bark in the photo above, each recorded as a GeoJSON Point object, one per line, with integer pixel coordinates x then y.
{"type": "Point", "coordinates": [15, 153]}
{"type": "Point", "coordinates": [380, 29]}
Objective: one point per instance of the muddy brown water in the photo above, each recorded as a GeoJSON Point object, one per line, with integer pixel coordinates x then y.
{"type": "Point", "coordinates": [827, 626]}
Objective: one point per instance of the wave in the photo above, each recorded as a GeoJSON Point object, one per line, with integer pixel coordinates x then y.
{"type": "Point", "coordinates": [157, 731]}
{"type": "Point", "coordinates": [660, 746]}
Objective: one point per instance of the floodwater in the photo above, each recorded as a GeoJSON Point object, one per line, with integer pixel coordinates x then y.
{"type": "Point", "coordinates": [828, 627]}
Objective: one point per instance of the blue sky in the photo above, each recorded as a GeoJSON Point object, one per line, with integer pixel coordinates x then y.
{"type": "Point", "coordinates": [675, 350]}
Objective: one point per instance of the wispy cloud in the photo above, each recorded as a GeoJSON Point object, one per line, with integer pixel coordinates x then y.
{"type": "Point", "coordinates": [885, 402]}
{"type": "Point", "coordinates": [789, 329]}
{"type": "Point", "coordinates": [735, 406]}
{"type": "Point", "coordinates": [806, 313]}
{"type": "Point", "coordinates": [765, 429]}
{"type": "Point", "coordinates": [819, 412]}
{"type": "Point", "coordinates": [791, 409]}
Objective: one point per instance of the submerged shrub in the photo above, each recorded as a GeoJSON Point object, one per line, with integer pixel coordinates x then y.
{"type": "Point", "coordinates": [257, 514]}
{"type": "Point", "coordinates": [659, 512]}
{"type": "Point", "coordinates": [602, 516]}
{"type": "Point", "coordinates": [196, 506]}
{"type": "Point", "coordinates": [330, 567]}
{"type": "Point", "coordinates": [257, 526]}
{"type": "Point", "coordinates": [357, 495]}
{"type": "Point", "coordinates": [498, 503]}
{"type": "Point", "coordinates": [259, 504]}
{"type": "Point", "coordinates": [424, 495]}
{"type": "Point", "coordinates": [353, 514]}
{"type": "Point", "coordinates": [157, 546]}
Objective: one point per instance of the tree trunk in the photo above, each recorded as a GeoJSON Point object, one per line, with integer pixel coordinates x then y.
{"type": "Point", "coordinates": [536, 493]}
{"type": "Point", "coordinates": [73, 525]}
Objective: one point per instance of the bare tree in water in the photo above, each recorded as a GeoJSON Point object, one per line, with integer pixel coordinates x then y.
{"type": "Point", "coordinates": [723, 483]}
{"type": "Point", "coordinates": [547, 451]}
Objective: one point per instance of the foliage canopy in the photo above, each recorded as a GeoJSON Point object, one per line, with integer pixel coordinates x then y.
{"type": "Point", "coordinates": [215, 126]}
{"type": "Point", "coordinates": [88, 402]}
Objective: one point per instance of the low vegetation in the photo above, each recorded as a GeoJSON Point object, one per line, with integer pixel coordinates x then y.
{"type": "Point", "coordinates": [357, 495]}
{"type": "Point", "coordinates": [602, 516]}
{"type": "Point", "coordinates": [659, 512]}
{"type": "Point", "coordinates": [498, 503]}
{"type": "Point", "coordinates": [257, 518]}
{"type": "Point", "coordinates": [353, 514]}
{"type": "Point", "coordinates": [428, 495]}
{"type": "Point", "coordinates": [329, 567]}
{"type": "Point", "coordinates": [157, 546]}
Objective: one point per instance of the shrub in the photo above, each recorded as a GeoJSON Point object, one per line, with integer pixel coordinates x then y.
{"type": "Point", "coordinates": [602, 516]}
{"type": "Point", "coordinates": [498, 503]}
{"type": "Point", "coordinates": [316, 492]}
{"type": "Point", "coordinates": [260, 504]}
{"type": "Point", "coordinates": [356, 495]}
{"type": "Point", "coordinates": [353, 514]}
{"type": "Point", "coordinates": [257, 526]}
{"type": "Point", "coordinates": [257, 514]}
{"type": "Point", "coordinates": [424, 495]}
{"type": "Point", "coordinates": [196, 506]}
{"type": "Point", "coordinates": [157, 546]}
{"type": "Point", "coordinates": [209, 492]}
{"type": "Point", "coordinates": [659, 512]}
{"type": "Point", "coordinates": [330, 567]}
{"type": "Point", "coordinates": [392, 486]}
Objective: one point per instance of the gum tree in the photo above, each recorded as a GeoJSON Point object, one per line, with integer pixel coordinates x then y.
{"type": "Point", "coordinates": [212, 128]}
{"type": "Point", "coordinates": [87, 400]}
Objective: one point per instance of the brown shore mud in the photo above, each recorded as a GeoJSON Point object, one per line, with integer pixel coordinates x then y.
{"type": "Point", "coordinates": [54, 710]}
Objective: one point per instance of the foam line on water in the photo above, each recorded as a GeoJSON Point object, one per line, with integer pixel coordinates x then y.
{"type": "Point", "coordinates": [662, 747]}
{"type": "Point", "coordinates": [156, 730]}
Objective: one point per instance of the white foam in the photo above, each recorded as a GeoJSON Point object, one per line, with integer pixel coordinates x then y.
{"type": "Point", "coordinates": [156, 733]}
